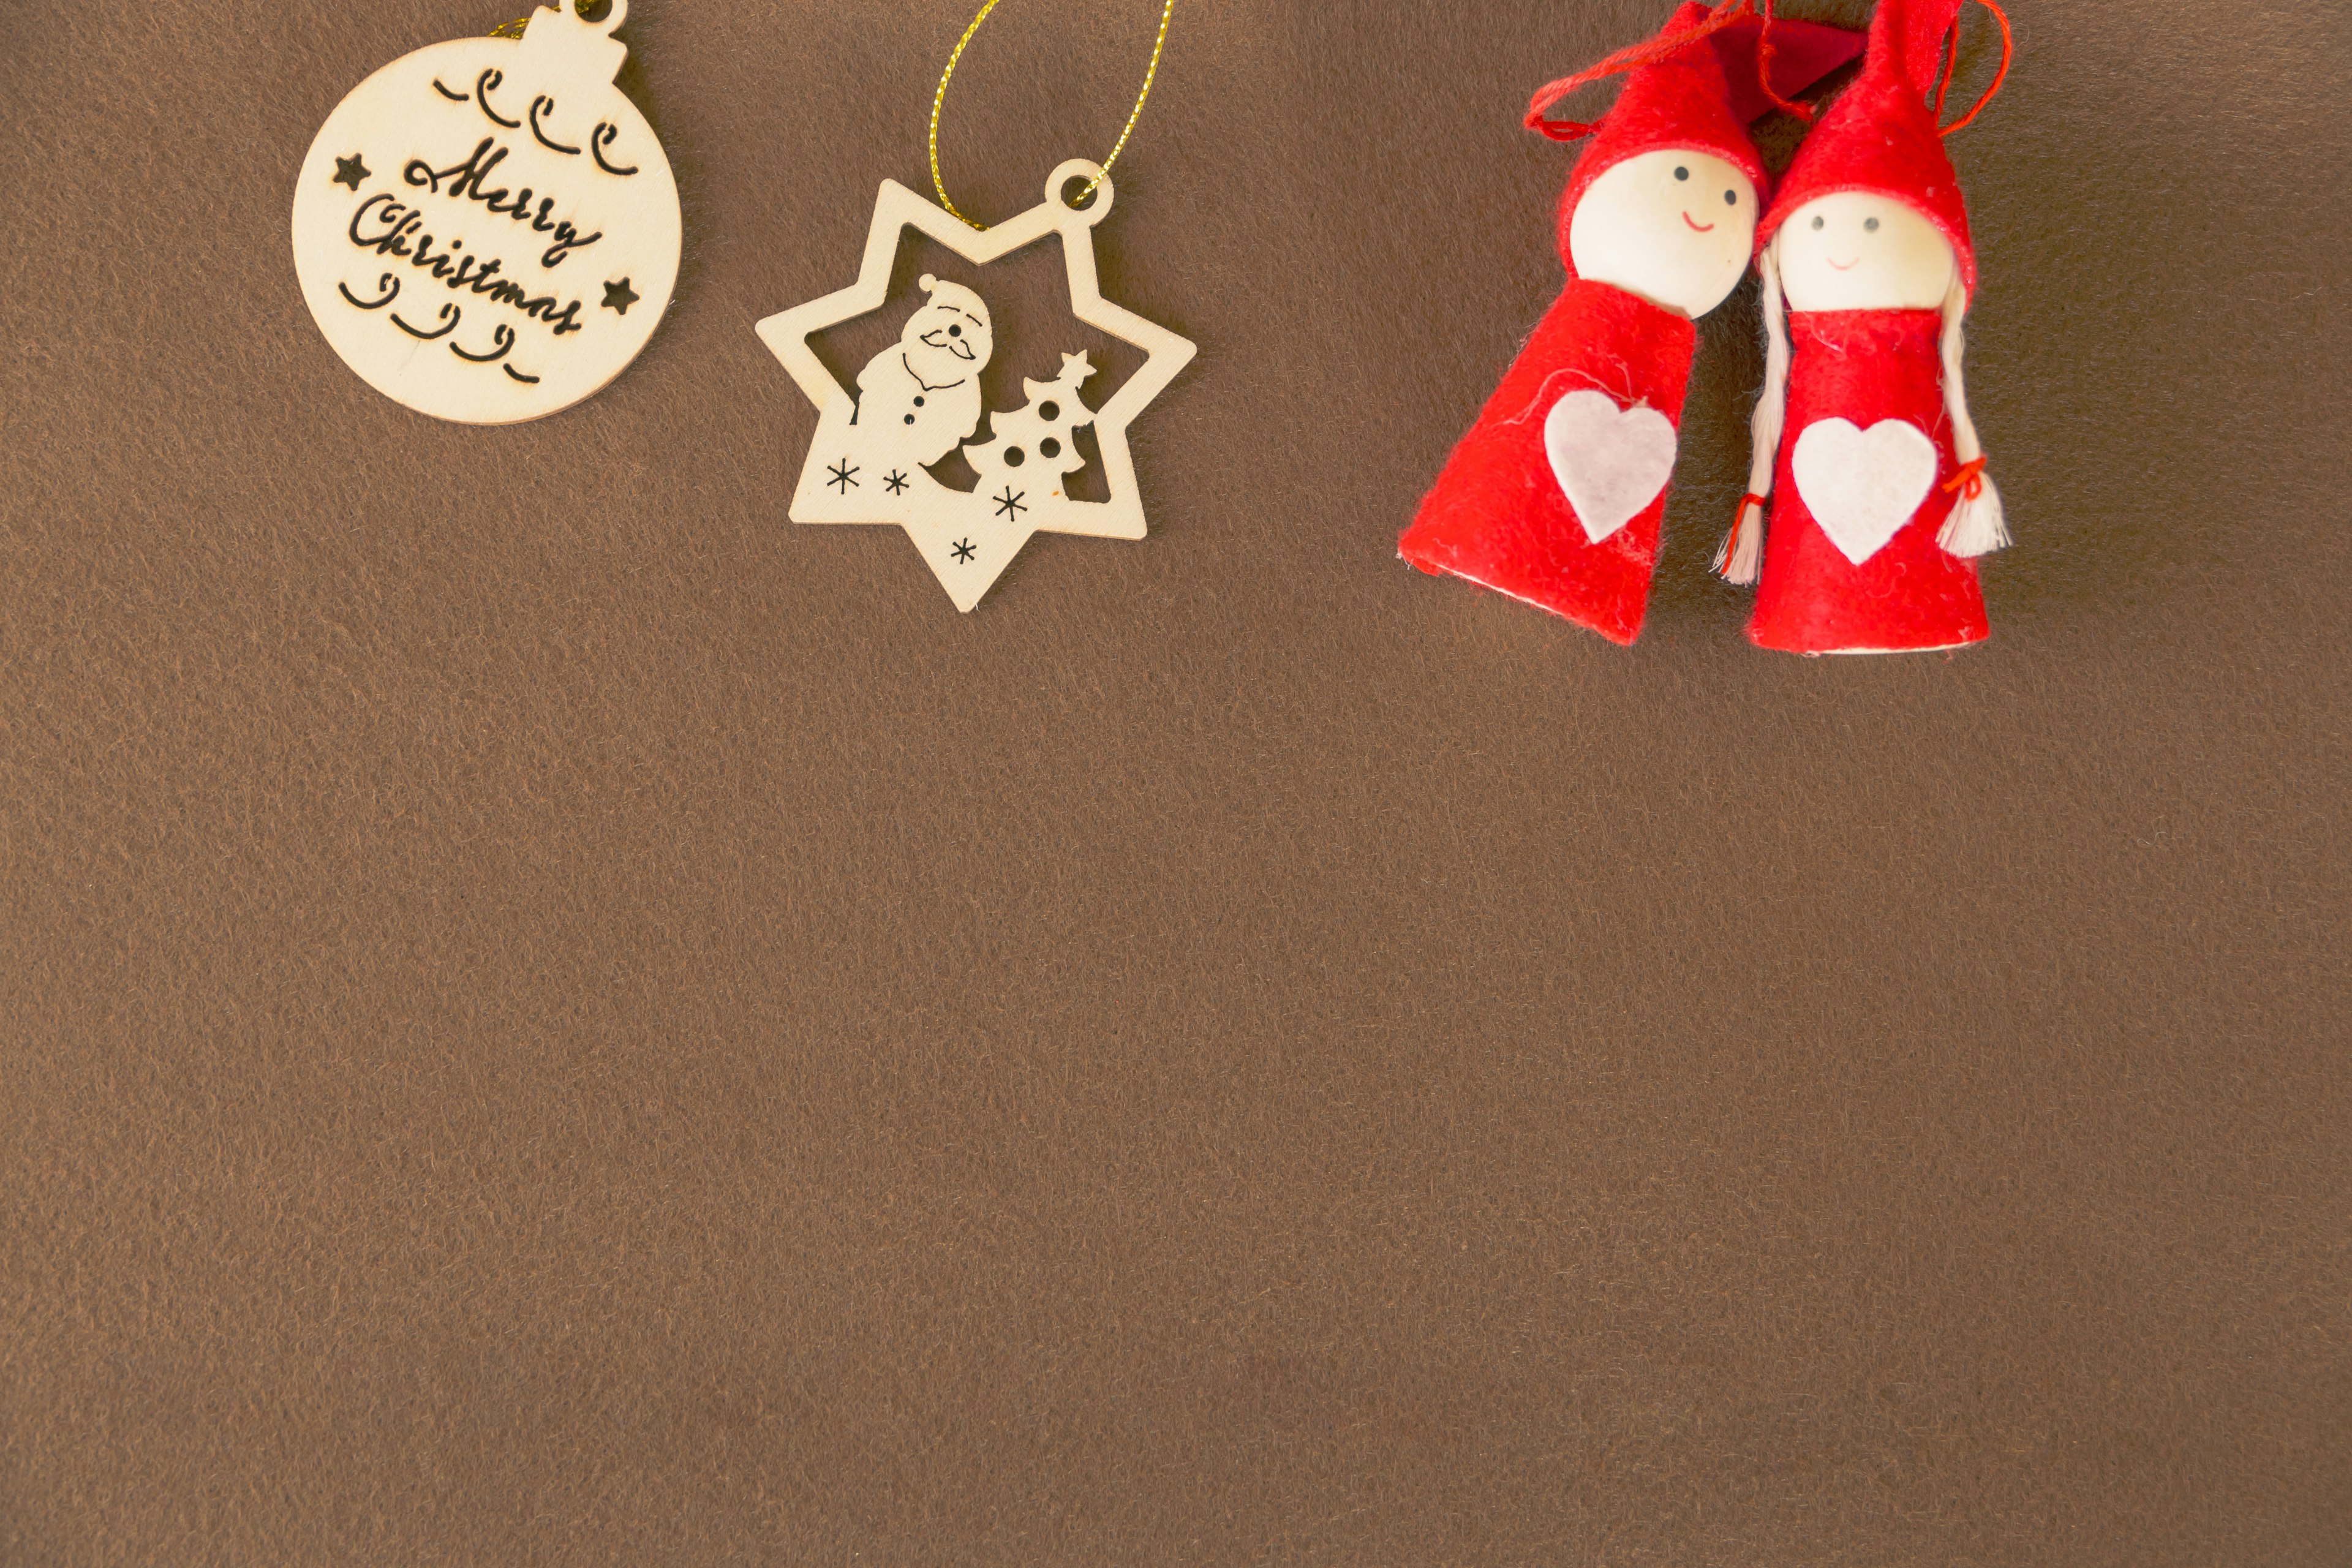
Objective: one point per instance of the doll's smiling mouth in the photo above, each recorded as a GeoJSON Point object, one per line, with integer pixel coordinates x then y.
{"type": "Point", "coordinates": [1701, 228]}
{"type": "Point", "coordinates": [1842, 265]}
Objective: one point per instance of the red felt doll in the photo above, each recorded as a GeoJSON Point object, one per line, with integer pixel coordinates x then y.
{"type": "Point", "coordinates": [1880, 502]}
{"type": "Point", "coordinates": [1556, 495]}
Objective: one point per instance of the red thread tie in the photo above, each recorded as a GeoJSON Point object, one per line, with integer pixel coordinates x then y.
{"type": "Point", "coordinates": [1650, 51]}
{"type": "Point", "coordinates": [1972, 474]}
{"type": "Point", "coordinates": [1739, 520]}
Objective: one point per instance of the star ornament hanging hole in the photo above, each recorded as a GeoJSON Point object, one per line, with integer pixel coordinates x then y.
{"type": "Point", "coordinates": [487, 230]}
{"type": "Point", "coordinates": [919, 399]}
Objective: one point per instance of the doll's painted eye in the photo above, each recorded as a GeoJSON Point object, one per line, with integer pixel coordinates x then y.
{"type": "Point", "coordinates": [1870, 224]}
{"type": "Point", "coordinates": [1681, 173]}
{"type": "Point", "coordinates": [1817, 220]}
{"type": "Point", "coordinates": [1732, 198]}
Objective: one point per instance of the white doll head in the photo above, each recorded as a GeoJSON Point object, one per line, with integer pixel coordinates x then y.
{"type": "Point", "coordinates": [1855, 250]}
{"type": "Point", "coordinates": [948, 337]}
{"type": "Point", "coordinates": [1674, 226]}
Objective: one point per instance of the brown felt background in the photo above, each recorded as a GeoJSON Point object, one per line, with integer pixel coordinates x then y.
{"type": "Point", "coordinates": [549, 1016]}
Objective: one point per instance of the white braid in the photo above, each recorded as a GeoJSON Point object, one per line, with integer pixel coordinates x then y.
{"type": "Point", "coordinates": [1976, 526]}
{"type": "Point", "coordinates": [1741, 557]}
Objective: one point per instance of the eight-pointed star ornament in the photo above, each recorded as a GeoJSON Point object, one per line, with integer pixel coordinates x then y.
{"type": "Point", "coordinates": [919, 399]}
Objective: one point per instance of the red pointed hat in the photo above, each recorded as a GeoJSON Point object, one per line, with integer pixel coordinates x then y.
{"type": "Point", "coordinates": [1679, 100]}
{"type": "Point", "coordinates": [1697, 85]}
{"type": "Point", "coordinates": [1881, 136]}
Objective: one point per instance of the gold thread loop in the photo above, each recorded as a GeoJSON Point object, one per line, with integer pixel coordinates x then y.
{"type": "Point", "coordinates": [516, 29]}
{"type": "Point", "coordinates": [939, 100]}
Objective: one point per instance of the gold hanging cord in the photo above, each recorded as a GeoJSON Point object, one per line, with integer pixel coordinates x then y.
{"type": "Point", "coordinates": [940, 97]}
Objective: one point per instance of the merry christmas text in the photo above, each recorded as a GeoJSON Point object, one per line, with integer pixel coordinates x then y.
{"type": "Point", "coordinates": [468, 182]}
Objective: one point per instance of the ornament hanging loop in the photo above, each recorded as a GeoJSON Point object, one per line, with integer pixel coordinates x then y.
{"type": "Point", "coordinates": [1053, 190]}
{"type": "Point", "coordinates": [1088, 206]}
{"type": "Point", "coordinates": [606, 15]}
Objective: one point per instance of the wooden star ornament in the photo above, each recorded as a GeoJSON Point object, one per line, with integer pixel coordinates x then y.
{"type": "Point", "coordinates": [919, 399]}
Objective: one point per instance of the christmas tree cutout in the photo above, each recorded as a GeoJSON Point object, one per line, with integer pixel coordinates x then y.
{"type": "Point", "coordinates": [1029, 452]}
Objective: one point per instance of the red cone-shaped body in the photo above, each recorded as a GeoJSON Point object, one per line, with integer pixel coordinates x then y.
{"type": "Point", "coordinates": [1499, 515]}
{"type": "Point", "coordinates": [1880, 136]}
{"type": "Point", "coordinates": [1864, 367]}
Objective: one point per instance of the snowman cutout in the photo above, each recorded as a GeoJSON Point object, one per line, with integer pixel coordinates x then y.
{"type": "Point", "coordinates": [487, 230]}
{"type": "Point", "coordinates": [919, 399]}
{"type": "Point", "coordinates": [923, 392]}
{"type": "Point", "coordinates": [1556, 495]}
{"type": "Point", "coordinates": [1880, 503]}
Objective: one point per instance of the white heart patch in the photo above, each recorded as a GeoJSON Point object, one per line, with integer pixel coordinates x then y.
{"type": "Point", "coordinates": [1861, 486]}
{"type": "Point", "coordinates": [1610, 462]}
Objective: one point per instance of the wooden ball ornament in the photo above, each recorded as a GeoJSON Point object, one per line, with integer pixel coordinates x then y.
{"type": "Point", "coordinates": [487, 230]}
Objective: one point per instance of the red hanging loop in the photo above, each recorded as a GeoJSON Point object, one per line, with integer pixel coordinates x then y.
{"type": "Point", "coordinates": [1648, 52]}
{"type": "Point", "coordinates": [1948, 53]}
{"type": "Point", "coordinates": [2008, 52]}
